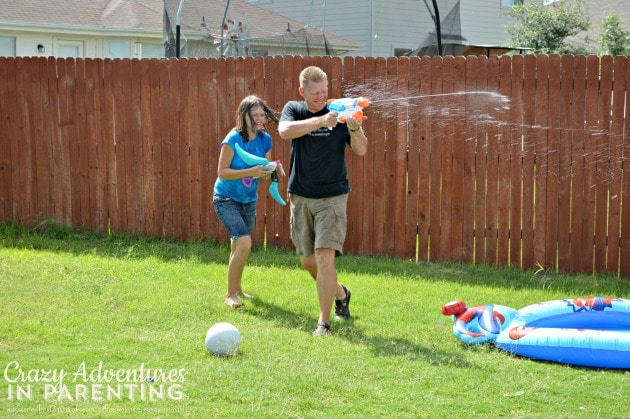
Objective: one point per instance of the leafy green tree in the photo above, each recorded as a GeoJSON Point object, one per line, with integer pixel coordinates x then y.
{"type": "Point", "coordinates": [614, 39]}
{"type": "Point", "coordinates": [545, 28]}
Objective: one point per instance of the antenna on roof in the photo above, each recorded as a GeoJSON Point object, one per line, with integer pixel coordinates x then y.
{"type": "Point", "coordinates": [436, 19]}
{"type": "Point", "coordinates": [223, 25]}
{"type": "Point", "coordinates": [178, 20]}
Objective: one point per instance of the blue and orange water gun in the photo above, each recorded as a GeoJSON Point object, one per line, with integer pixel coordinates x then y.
{"type": "Point", "coordinates": [270, 166]}
{"type": "Point", "coordinates": [348, 108]}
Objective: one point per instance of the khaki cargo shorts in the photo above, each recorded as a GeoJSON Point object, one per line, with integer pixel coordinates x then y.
{"type": "Point", "coordinates": [318, 223]}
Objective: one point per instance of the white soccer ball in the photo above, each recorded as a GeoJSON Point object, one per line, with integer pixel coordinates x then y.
{"type": "Point", "coordinates": [223, 339]}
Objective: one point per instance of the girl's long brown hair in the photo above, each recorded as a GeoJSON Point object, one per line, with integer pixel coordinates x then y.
{"type": "Point", "coordinates": [244, 109]}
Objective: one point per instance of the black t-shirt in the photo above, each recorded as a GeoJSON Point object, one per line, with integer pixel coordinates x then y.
{"type": "Point", "coordinates": [318, 164]}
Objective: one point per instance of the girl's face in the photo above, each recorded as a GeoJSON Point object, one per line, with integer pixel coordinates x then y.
{"type": "Point", "coordinates": [257, 118]}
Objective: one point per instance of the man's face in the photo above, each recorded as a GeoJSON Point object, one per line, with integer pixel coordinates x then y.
{"type": "Point", "coordinates": [315, 95]}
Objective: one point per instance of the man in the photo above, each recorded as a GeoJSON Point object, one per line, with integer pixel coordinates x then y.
{"type": "Point", "coordinates": [318, 188]}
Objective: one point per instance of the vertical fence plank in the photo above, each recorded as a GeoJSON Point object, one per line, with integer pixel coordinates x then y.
{"type": "Point", "coordinates": [194, 147]}
{"type": "Point", "coordinates": [42, 130]}
{"type": "Point", "coordinates": [177, 113]}
{"type": "Point", "coordinates": [24, 109]}
{"type": "Point", "coordinates": [501, 116]}
{"type": "Point", "coordinates": [516, 158]}
{"type": "Point", "coordinates": [136, 190]}
{"type": "Point", "coordinates": [367, 212]}
{"type": "Point", "coordinates": [424, 166]}
{"type": "Point", "coordinates": [481, 155]}
{"type": "Point", "coordinates": [282, 149]}
{"type": "Point", "coordinates": [82, 188]}
{"type": "Point", "coordinates": [181, 207]}
{"type": "Point", "coordinates": [400, 163]}
{"type": "Point", "coordinates": [278, 231]}
{"type": "Point", "coordinates": [624, 254]}
{"type": "Point", "coordinates": [63, 162]}
{"type": "Point", "coordinates": [378, 165]}
{"type": "Point", "coordinates": [558, 171]}
{"type": "Point", "coordinates": [157, 102]}
{"type": "Point", "coordinates": [184, 148]}
{"type": "Point", "coordinates": [577, 139]}
{"type": "Point", "coordinates": [437, 137]}
{"type": "Point", "coordinates": [590, 166]}
{"type": "Point", "coordinates": [145, 144]}
{"type": "Point", "coordinates": [92, 140]}
{"type": "Point", "coordinates": [72, 137]}
{"type": "Point", "coordinates": [552, 158]}
{"type": "Point", "coordinates": [541, 157]}
{"type": "Point", "coordinates": [100, 160]}
{"type": "Point", "coordinates": [290, 91]}
{"type": "Point", "coordinates": [131, 141]}
{"type": "Point", "coordinates": [413, 159]}
{"type": "Point", "coordinates": [469, 136]}
{"type": "Point", "coordinates": [603, 164]}
{"type": "Point", "coordinates": [11, 139]}
{"type": "Point", "coordinates": [460, 180]}
{"type": "Point", "coordinates": [118, 208]}
{"type": "Point", "coordinates": [205, 143]}
{"type": "Point", "coordinates": [124, 145]}
{"type": "Point", "coordinates": [32, 136]}
{"type": "Point", "coordinates": [529, 141]}
{"type": "Point", "coordinates": [108, 155]}
{"type": "Point", "coordinates": [7, 81]}
{"type": "Point", "coordinates": [492, 198]}
{"type": "Point", "coordinates": [389, 173]}
{"type": "Point", "coordinates": [209, 103]}
{"type": "Point", "coordinates": [165, 158]}
{"type": "Point", "coordinates": [447, 133]}
{"type": "Point", "coordinates": [616, 163]}
{"type": "Point", "coordinates": [354, 170]}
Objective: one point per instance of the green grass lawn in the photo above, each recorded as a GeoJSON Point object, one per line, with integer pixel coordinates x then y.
{"type": "Point", "coordinates": [109, 312]}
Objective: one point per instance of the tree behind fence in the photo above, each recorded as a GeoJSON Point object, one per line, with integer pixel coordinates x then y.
{"type": "Point", "coordinates": [502, 161]}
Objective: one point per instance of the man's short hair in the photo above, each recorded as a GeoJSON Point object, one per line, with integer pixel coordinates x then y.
{"type": "Point", "coordinates": [312, 74]}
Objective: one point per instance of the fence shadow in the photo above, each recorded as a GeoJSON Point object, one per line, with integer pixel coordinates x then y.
{"type": "Point", "coordinates": [52, 237]}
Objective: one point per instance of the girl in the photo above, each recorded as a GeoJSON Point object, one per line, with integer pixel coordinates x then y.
{"type": "Point", "coordinates": [235, 190]}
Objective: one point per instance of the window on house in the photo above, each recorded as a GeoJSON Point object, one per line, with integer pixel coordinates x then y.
{"type": "Point", "coordinates": [7, 46]}
{"type": "Point", "coordinates": [116, 49]}
{"type": "Point", "coordinates": [151, 50]}
{"type": "Point", "coordinates": [68, 48]}
{"type": "Point", "coordinates": [510, 3]}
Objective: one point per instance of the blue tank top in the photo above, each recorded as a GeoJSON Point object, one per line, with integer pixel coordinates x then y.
{"type": "Point", "coordinates": [242, 190]}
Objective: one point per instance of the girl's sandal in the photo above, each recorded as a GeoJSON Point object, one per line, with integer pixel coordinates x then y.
{"type": "Point", "coordinates": [243, 294]}
{"type": "Point", "coordinates": [233, 302]}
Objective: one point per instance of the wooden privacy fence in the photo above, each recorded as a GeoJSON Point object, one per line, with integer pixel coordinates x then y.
{"type": "Point", "coordinates": [517, 161]}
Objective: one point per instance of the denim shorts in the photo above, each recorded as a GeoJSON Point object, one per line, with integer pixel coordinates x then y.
{"type": "Point", "coordinates": [237, 218]}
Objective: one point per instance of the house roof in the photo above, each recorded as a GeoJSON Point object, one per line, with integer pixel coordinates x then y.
{"type": "Point", "coordinates": [147, 16]}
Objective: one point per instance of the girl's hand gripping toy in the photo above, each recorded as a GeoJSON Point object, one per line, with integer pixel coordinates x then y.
{"type": "Point", "coordinates": [270, 167]}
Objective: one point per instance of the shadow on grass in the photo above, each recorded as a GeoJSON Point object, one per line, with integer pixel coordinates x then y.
{"type": "Point", "coordinates": [380, 346]}
{"type": "Point", "coordinates": [53, 237]}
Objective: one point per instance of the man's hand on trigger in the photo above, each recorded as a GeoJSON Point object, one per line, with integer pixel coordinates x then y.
{"type": "Point", "coordinates": [330, 120]}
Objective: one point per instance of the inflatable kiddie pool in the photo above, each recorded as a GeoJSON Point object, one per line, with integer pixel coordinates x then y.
{"type": "Point", "coordinates": [592, 331]}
